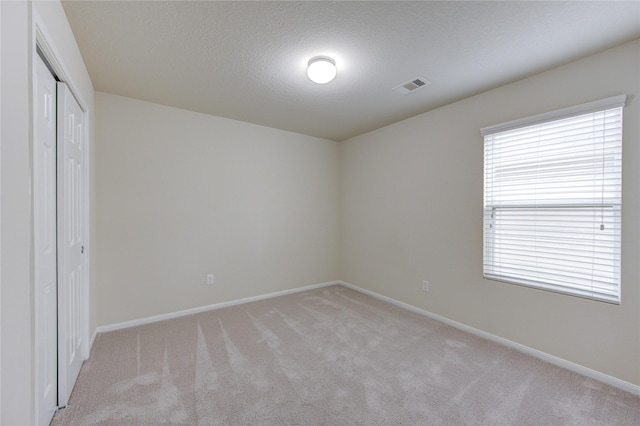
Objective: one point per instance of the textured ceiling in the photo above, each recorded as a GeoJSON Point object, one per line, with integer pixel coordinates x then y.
{"type": "Point", "coordinates": [246, 60]}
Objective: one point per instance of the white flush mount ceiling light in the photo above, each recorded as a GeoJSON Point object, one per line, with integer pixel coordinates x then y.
{"type": "Point", "coordinates": [321, 69]}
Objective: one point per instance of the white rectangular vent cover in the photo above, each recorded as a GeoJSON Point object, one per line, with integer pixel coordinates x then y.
{"type": "Point", "coordinates": [411, 85]}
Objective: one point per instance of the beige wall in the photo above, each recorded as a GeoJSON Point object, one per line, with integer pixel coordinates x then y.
{"type": "Point", "coordinates": [17, 356]}
{"type": "Point", "coordinates": [182, 194]}
{"type": "Point", "coordinates": [411, 209]}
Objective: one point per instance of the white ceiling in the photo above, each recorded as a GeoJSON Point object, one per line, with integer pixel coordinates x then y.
{"type": "Point", "coordinates": [246, 60]}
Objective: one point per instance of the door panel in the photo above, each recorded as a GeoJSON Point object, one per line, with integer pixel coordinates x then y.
{"type": "Point", "coordinates": [45, 250]}
{"type": "Point", "coordinates": [71, 207]}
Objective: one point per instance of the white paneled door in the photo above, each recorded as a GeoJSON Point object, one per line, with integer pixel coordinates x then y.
{"type": "Point", "coordinates": [45, 249]}
{"type": "Point", "coordinates": [71, 240]}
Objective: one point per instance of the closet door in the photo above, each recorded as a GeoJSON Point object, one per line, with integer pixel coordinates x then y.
{"type": "Point", "coordinates": [45, 249]}
{"type": "Point", "coordinates": [71, 240]}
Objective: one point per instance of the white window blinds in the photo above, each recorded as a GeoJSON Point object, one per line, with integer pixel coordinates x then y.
{"type": "Point", "coordinates": [552, 200]}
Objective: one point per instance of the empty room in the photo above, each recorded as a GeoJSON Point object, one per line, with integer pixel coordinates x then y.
{"type": "Point", "coordinates": [319, 213]}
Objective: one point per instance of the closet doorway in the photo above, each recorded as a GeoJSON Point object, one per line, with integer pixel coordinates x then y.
{"type": "Point", "coordinates": [59, 206]}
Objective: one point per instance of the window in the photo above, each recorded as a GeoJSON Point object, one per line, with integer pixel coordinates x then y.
{"type": "Point", "coordinates": [552, 200]}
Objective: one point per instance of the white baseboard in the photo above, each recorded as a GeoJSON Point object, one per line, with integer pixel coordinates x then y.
{"type": "Point", "coordinates": [93, 339]}
{"type": "Point", "coordinates": [560, 362]}
{"type": "Point", "coordinates": [170, 315]}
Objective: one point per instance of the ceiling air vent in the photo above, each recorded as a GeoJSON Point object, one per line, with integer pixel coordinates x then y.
{"type": "Point", "coordinates": [410, 86]}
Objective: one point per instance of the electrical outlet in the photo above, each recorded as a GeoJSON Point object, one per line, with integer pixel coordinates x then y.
{"type": "Point", "coordinates": [425, 285]}
{"type": "Point", "coordinates": [210, 279]}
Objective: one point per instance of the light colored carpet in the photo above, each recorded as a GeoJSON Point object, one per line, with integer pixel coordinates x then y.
{"type": "Point", "coordinates": [330, 356]}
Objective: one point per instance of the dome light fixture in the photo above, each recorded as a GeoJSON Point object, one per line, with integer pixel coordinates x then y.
{"type": "Point", "coordinates": [321, 69]}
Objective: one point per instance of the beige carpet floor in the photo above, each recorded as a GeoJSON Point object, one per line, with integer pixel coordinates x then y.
{"type": "Point", "coordinates": [330, 356]}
